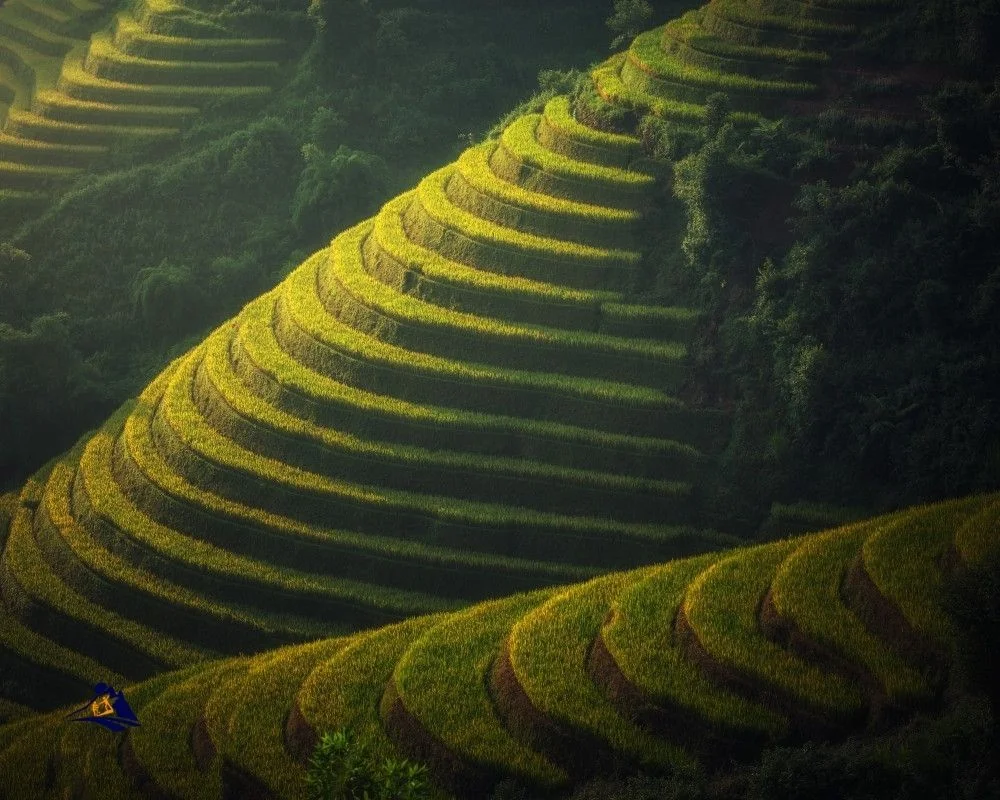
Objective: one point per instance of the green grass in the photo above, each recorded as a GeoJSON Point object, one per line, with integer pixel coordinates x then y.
{"type": "Point", "coordinates": [75, 81]}
{"type": "Point", "coordinates": [345, 690]}
{"type": "Point", "coordinates": [613, 89]}
{"type": "Point", "coordinates": [477, 189]}
{"type": "Point", "coordinates": [688, 40]}
{"type": "Point", "coordinates": [267, 482]}
{"type": "Point", "coordinates": [72, 620]}
{"type": "Point", "coordinates": [640, 638]}
{"type": "Point", "coordinates": [29, 151]}
{"type": "Point", "coordinates": [806, 591]}
{"type": "Point", "coordinates": [133, 38]}
{"type": "Point", "coordinates": [548, 649]}
{"type": "Point", "coordinates": [57, 106]}
{"type": "Point", "coordinates": [403, 264]}
{"type": "Point", "coordinates": [245, 716]}
{"type": "Point", "coordinates": [438, 667]}
{"type": "Point", "coordinates": [721, 607]}
{"type": "Point", "coordinates": [11, 711]}
{"type": "Point", "coordinates": [20, 760]}
{"type": "Point", "coordinates": [386, 603]}
{"type": "Point", "coordinates": [52, 670]}
{"type": "Point", "coordinates": [422, 565]}
{"type": "Point", "coordinates": [273, 374]}
{"type": "Point", "coordinates": [975, 540]}
{"type": "Point", "coordinates": [300, 302]}
{"type": "Point", "coordinates": [14, 175]}
{"type": "Point", "coordinates": [247, 419]}
{"type": "Point", "coordinates": [88, 765]}
{"type": "Point", "coordinates": [106, 61]}
{"type": "Point", "coordinates": [34, 126]}
{"type": "Point", "coordinates": [559, 131]}
{"type": "Point", "coordinates": [520, 158]}
{"type": "Point", "coordinates": [105, 579]}
{"type": "Point", "coordinates": [185, 574]}
{"type": "Point", "coordinates": [426, 327]}
{"type": "Point", "coordinates": [747, 15]}
{"type": "Point", "coordinates": [203, 564]}
{"type": "Point", "coordinates": [441, 680]}
{"type": "Point", "coordinates": [454, 232]}
{"type": "Point", "coordinates": [648, 56]}
{"type": "Point", "coordinates": [902, 558]}
{"type": "Point", "coordinates": [162, 743]}
{"type": "Point", "coordinates": [17, 27]}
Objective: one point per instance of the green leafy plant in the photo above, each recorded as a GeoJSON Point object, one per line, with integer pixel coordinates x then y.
{"type": "Point", "coordinates": [628, 18]}
{"type": "Point", "coordinates": [342, 768]}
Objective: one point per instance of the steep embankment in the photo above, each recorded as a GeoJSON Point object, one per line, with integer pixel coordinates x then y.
{"type": "Point", "coordinates": [699, 660]}
{"type": "Point", "coordinates": [77, 79]}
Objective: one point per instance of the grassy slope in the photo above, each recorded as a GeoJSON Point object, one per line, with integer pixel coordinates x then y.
{"type": "Point", "coordinates": [430, 675]}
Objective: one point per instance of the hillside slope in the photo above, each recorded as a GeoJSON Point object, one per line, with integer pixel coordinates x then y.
{"type": "Point", "coordinates": [455, 400]}
{"type": "Point", "coordinates": [693, 662]}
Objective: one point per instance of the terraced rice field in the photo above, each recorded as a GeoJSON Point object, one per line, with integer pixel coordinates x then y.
{"type": "Point", "coordinates": [78, 77]}
{"type": "Point", "coordinates": [694, 661]}
{"type": "Point", "coordinates": [764, 55]}
{"type": "Point", "coordinates": [456, 400]}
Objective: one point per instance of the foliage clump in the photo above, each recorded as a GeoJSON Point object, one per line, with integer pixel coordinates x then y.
{"type": "Point", "coordinates": [342, 768]}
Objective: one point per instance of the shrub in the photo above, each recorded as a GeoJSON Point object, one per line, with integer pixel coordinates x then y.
{"type": "Point", "coordinates": [341, 768]}
{"type": "Point", "coordinates": [337, 190]}
{"type": "Point", "coordinates": [628, 18]}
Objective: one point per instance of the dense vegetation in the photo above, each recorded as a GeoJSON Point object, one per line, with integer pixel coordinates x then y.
{"type": "Point", "coordinates": [857, 339]}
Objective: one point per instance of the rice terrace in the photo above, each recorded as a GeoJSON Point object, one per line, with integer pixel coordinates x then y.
{"type": "Point", "coordinates": [421, 399]}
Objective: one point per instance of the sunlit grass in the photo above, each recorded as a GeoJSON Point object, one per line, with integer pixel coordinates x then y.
{"type": "Point", "coordinates": [81, 554]}
{"type": "Point", "coordinates": [106, 61]}
{"type": "Point", "coordinates": [548, 651]}
{"type": "Point", "coordinates": [806, 591]}
{"type": "Point", "coordinates": [75, 81]}
{"type": "Point", "coordinates": [476, 188]}
{"type": "Point", "coordinates": [647, 53]}
{"type": "Point", "coordinates": [328, 442]}
{"type": "Point", "coordinates": [56, 105]}
{"type": "Point", "coordinates": [302, 303]}
{"type": "Point", "coordinates": [31, 125]}
{"type": "Point", "coordinates": [345, 269]}
{"type": "Point", "coordinates": [256, 352]}
{"type": "Point", "coordinates": [458, 234]}
{"type": "Point", "coordinates": [442, 681]}
{"type": "Point", "coordinates": [246, 715]}
{"type": "Point", "coordinates": [162, 743]}
{"type": "Point", "coordinates": [345, 690]}
{"type": "Point", "coordinates": [302, 487]}
{"type": "Point", "coordinates": [522, 159]}
{"type": "Point", "coordinates": [134, 38]}
{"type": "Point", "coordinates": [721, 606]}
{"type": "Point", "coordinates": [203, 442]}
{"type": "Point", "coordinates": [67, 607]}
{"type": "Point", "coordinates": [560, 132]}
{"type": "Point", "coordinates": [641, 640]}
{"type": "Point", "coordinates": [903, 559]}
